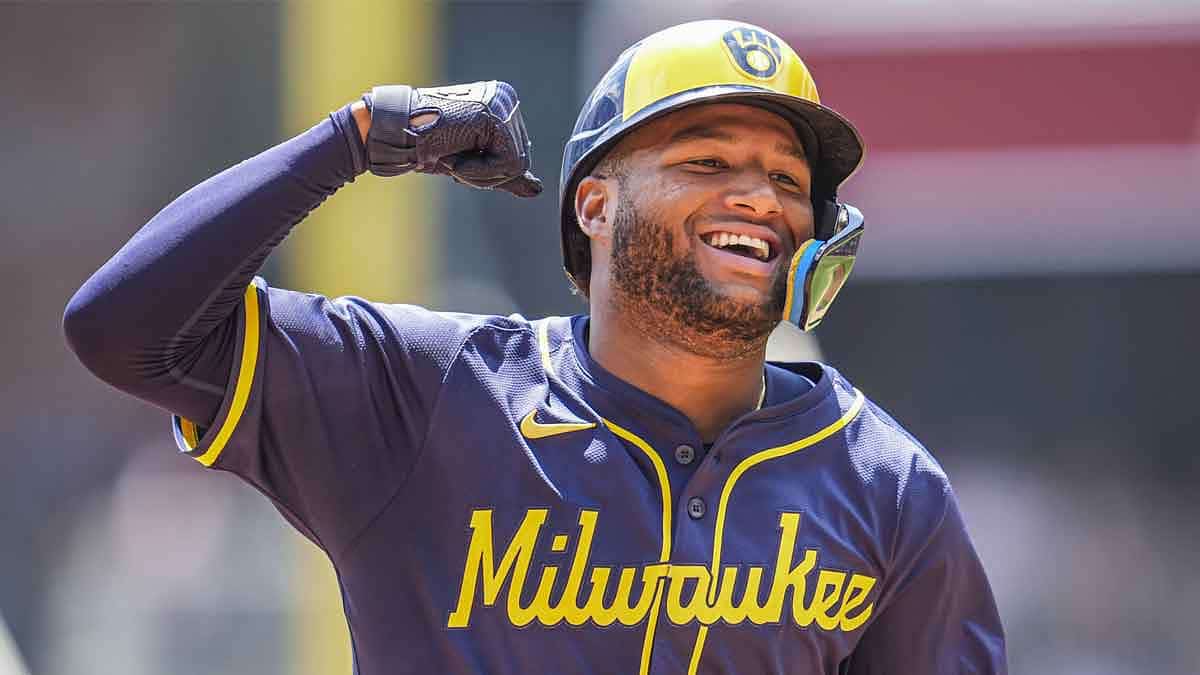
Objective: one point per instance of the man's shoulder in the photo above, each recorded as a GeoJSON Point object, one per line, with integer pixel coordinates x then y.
{"type": "Point", "coordinates": [420, 315]}
{"type": "Point", "coordinates": [883, 452]}
{"type": "Point", "coordinates": [491, 337]}
{"type": "Point", "coordinates": [406, 318]}
{"type": "Point", "coordinates": [421, 332]}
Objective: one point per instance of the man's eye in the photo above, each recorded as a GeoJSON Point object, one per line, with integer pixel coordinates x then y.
{"type": "Point", "coordinates": [708, 162]}
{"type": "Point", "coordinates": [789, 183]}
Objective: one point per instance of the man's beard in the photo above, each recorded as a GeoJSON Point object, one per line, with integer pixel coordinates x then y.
{"type": "Point", "coordinates": [668, 299]}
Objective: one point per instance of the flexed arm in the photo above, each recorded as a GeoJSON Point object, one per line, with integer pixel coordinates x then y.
{"type": "Point", "coordinates": [155, 320]}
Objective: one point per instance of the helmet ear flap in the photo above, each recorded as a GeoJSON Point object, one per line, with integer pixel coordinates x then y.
{"type": "Point", "coordinates": [825, 218]}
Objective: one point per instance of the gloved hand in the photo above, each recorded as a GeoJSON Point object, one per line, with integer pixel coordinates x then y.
{"type": "Point", "coordinates": [476, 135]}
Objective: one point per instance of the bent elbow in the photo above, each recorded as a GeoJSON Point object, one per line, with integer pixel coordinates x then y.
{"type": "Point", "coordinates": [79, 328]}
{"type": "Point", "coordinates": [89, 335]}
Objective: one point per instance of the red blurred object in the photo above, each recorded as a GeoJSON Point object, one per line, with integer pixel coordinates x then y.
{"type": "Point", "coordinates": [999, 96]}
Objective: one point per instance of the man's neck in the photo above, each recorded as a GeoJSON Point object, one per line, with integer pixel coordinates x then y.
{"type": "Point", "coordinates": [711, 392]}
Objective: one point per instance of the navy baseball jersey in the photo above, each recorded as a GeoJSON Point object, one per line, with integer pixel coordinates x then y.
{"type": "Point", "coordinates": [494, 501]}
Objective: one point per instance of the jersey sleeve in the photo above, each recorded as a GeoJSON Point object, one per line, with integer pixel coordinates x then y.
{"type": "Point", "coordinates": [327, 405]}
{"type": "Point", "coordinates": [938, 615]}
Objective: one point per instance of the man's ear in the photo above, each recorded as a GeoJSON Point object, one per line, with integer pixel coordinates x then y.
{"type": "Point", "coordinates": [594, 199]}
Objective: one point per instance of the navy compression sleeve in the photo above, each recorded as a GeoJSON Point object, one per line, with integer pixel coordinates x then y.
{"type": "Point", "coordinates": [156, 320]}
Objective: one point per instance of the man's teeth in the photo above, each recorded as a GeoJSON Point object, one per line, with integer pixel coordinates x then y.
{"type": "Point", "coordinates": [725, 239]}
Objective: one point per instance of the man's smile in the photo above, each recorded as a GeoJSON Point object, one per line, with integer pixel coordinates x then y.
{"type": "Point", "coordinates": [741, 244]}
{"type": "Point", "coordinates": [725, 254]}
{"type": "Point", "coordinates": [743, 238]}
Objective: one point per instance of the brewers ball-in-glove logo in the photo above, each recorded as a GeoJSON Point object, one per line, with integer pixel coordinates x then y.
{"type": "Point", "coordinates": [754, 51]}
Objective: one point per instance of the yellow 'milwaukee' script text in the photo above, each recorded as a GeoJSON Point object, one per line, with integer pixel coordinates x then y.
{"type": "Point", "coordinates": [836, 602]}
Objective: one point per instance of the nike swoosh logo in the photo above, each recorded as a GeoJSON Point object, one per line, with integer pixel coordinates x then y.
{"type": "Point", "coordinates": [533, 429]}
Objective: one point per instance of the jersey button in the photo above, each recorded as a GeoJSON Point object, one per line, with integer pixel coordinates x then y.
{"type": "Point", "coordinates": [696, 508]}
{"type": "Point", "coordinates": [684, 454]}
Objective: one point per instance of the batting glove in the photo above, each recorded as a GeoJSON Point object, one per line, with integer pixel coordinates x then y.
{"type": "Point", "coordinates": [477, 137]}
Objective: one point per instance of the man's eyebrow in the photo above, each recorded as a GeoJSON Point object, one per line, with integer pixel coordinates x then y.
{"type": "Point", "coordinates": [707, 133]}
{"type": "Point", "coordinates": [701, 133]}
{"type": "Point", "coordinates": [793, 151]}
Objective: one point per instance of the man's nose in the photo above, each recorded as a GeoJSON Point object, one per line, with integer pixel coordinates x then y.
{"type": "Point", "coordinates": [753, 191]}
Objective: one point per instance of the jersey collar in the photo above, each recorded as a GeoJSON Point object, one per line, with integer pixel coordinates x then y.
{"type": "Point", "coordinates": [612, 397]}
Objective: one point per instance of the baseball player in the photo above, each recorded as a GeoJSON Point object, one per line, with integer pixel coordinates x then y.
{"type": "Point", "coordinates": [634, 490]}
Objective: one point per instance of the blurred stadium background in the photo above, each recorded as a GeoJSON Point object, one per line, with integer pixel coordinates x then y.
{"type": "Point", "coordinates": [1026, 302]}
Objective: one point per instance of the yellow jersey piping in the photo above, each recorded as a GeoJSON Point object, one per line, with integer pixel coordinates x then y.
{"type": "Point", "coordinates": [722, 506]}
{"type": "Point", "coordinates": [543, 338]}
{"type": "Point", "coordinates": [694, 663]}
{"type": "Point", "coordinates": [660, 471]}
{"type": "Point", "coordinates": [245, 379]}
{"type": "Point", "coordinates": [665, 554]}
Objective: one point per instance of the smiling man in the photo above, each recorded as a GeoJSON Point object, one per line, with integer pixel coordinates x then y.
{"type": "Point", "coordinates": [631, 490]}
{"type": "Point", "coordinates": [692, 221]}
